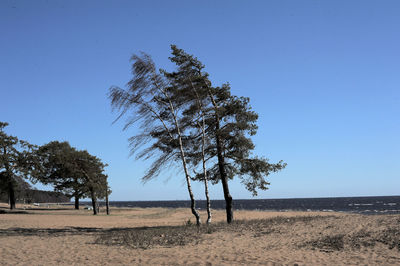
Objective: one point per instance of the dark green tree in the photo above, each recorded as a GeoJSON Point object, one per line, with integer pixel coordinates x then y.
{"type": "Point", "coordinates": [91, 169]}
{"type": "Point", "coordinates": [12, 164]}
{"type": "Point", "coordinates": [75, 173]}
{"type": "Point", "coordinates": [56, 168]}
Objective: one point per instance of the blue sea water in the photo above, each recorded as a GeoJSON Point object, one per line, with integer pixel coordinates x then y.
{"type": "Point", "coordinates": [363, 205]}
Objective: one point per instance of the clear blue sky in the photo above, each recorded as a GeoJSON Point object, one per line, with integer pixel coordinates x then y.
{"type": "Point", "coordinates": [324, 77]}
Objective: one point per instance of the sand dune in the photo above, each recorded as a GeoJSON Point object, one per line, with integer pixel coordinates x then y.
{"type": "Point", "coordinates": [63, 236]}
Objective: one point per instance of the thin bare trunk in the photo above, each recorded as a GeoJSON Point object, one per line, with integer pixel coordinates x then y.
{"type": "Point", "coordinates": [192, 200]}
{"type": "Point", "coordinates": [183, 157]}
{"type": "Point", "coordinates": [206, 178]}
{"type": "Point", "coordinates": [203, 138]}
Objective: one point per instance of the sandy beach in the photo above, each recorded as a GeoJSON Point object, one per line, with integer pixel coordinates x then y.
{"type": "Point", "coordinates": [59, 235]}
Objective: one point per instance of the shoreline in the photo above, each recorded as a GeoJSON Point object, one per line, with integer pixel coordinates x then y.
{"type": "Point", "coordinates": [365, 205]}
{"type": "Point", "coordinates": [4, 208]}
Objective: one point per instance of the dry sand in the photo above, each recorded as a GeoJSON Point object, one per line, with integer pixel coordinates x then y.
{"type": "Point", "coordinates": [63, 236]}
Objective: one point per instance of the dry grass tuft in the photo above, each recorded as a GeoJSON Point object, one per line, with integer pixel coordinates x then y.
{"type": "Point", "coordinates": [363, 238]}
{"type": "Point", "coordinates": [169, 236]}
{"type": "Point", "coordinates": [147, 237]}
{"type": "Point", "coordinates": [327, 239]}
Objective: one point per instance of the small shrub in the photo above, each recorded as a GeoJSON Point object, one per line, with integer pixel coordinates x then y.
{"type": "Point", "coordinates": [328, 243]}
{"type": "Point", "coordinates": [390, 237]}
{"type": "Point", "coordinates": [189, 222]}
{"type": "Point", "coordinates": [145, 238]}
{"type": "Point", "coordinates": [363, 238]}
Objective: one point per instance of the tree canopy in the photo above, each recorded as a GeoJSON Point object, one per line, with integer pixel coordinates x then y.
{"type": "Point", "coordinates": [74, 173]}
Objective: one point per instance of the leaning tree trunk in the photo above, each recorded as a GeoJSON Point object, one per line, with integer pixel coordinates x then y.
{"type": "Point", "coordinates": [183, 157]}
{"type": "Point", "coordinates": [224, 181]}
{"type": "Point", "coordinates": [94, 201]}
{"type": "Point", "coordinates": [208, 200]}
{"type": "Point", "coordinates": [192, 201]}
{"type": "Point", "coordinates": [221, 164]}
{"type": "Point", "coordinates": [203, 142]}
{"type": "Point", "coordinates": [76, 202]}
{"type": "Point", "coordinates": [11, 195]}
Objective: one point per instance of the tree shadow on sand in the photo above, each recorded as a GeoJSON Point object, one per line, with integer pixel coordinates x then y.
{"type": "Point", "coordinates": [13, 212]}
{"type": "Point", "coordinates": [73, 230]}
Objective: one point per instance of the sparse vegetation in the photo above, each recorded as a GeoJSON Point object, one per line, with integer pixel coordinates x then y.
{"type": "Point", "coordinates": [169, 236]}
{"type": "Point", "coordinates": [147, 237]}
{"type": "Point", "coordinates": [362, 238]}
{"type": "Point", "coordinates": [328, 241]}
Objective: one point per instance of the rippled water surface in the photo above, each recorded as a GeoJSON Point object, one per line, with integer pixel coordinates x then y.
{"type": "Point", "coordinates": [365, 205]}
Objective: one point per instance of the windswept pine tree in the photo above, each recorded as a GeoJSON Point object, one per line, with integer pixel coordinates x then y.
{"type": "Point", "coordinates": [185, 117]}
{"type": "Point", "coordinates": [150, 99]}
{"type": "Point", "coordinates": [230, 123]}
{"type": "Point", "coordinates": [193, 120]}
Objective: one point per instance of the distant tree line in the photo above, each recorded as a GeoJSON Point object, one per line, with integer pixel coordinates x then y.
{"type": "Point", "coordinates": [72, 173]}
{"type": "Point", "coordinates": [31, 195]}
{"type": "Point", "coordinates": [183, 118]}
